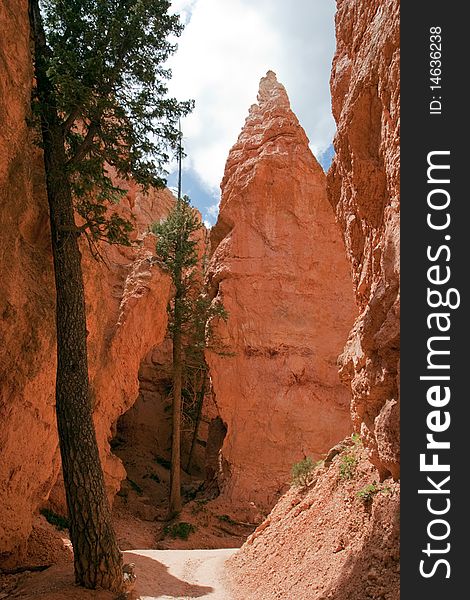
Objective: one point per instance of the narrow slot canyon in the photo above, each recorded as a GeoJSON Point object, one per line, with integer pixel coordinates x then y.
{"type": "Point", "coordinates": [142, 441]}
{"type": "Point", "coordinates": [288, 374]}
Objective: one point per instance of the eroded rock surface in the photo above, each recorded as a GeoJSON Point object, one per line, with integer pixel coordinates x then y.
{"type": "Point", "coordinates": [126, 305]}
{"type": "Point", "coordinates": [363, 187]}
{"type": "Point", "coordinates": [339, 536]}
{"type": "Point", "coordinates": [336, 538]}
{"type": "Point", "coordinates": [280, 269]}
{"type": "Point", "coordinates": [28, 445]}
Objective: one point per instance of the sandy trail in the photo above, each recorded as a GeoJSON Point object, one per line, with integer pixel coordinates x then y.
{"type": "Point", "coordinates": [180, 574]}
{"type": "Point", "coordinates": [161, 575]}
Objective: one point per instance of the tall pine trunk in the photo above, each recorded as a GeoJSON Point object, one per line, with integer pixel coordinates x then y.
{"type": "Point", "coordinates": [97, 559]}
{"type": "Point", "coordinates": [175, 473]}
{"type": "Point", "coordinates": [200, 401]}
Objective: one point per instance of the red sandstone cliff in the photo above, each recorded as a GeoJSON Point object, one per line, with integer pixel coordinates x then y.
{"type": "Point", "coordinates": [279, 389]}
{"type": "Point", "coordinates": [333, 539]}
{"type": "Point", "coordinates": [126, 301]}
{"type": "Point", "coordinates": [126, 306]}
{"type": "Point", "coordinates": [363, 187]}
{"type": "Point", "coordinates": [280, 270]}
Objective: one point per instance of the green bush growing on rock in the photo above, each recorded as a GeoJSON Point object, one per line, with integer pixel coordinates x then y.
{"type": "Point", "coordinates": [356, 438]}
{"type": "Point", "coordinates": [347, 467]}
{"type": "Point", "coordinates": [367, 493]}
{"type": "Point", "coordinates": [302, 472]}
{"type": "Point", "coordinates": [226, 519]}
{"type": "Point", "coordinates": [180, 530]}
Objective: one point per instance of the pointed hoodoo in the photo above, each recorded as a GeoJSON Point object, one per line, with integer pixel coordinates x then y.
{"type": "Point", "coordinates": [280, 269]}
{"type": "Point", "coordinates": [270, 90]}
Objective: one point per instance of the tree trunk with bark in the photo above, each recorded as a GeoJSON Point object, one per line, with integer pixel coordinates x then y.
{"type": "Point", "coordinates": [200, 401]}
{"type": "Point", "coordinates": [175, 473]}
{"type": "Point", "coordinates": [97, 558]}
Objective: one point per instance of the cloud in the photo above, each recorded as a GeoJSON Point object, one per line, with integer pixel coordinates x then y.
{"type": "Point", "coordinates": [213, 209]}
{"type": "Point", "coordinates": [184, 9]}
{"type": "Point", "coordinates": [226, 47]}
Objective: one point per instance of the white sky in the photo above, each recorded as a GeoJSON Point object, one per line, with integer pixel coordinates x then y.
{"type": "Point", "coordinates": [224, 50]}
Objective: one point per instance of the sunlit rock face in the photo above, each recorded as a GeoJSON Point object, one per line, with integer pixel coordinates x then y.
{"type": "Point", "coordinates": [325, 541]}
{"type": "Point", "coordinates": [126, 297]}
{"type": "Point", "coordinates": [363, 188]}
{"type": "Point", "coordinates": [279, 267]}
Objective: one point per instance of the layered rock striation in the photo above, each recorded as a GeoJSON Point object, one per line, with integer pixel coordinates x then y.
{"type": "Point", "coordinates": [280, 270]}
{"type": "Point", "coordinates": [363, 188]}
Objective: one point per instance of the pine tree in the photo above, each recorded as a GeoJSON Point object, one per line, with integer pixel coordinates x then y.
{"type": "Point", "coordinates": [101, 107]}
{"type": "Point", "coordinates": [191, 313]}
{"type": "Point", "coordinates": [199, 338]}
{"type": "Point", "coordinates": [177, 250]}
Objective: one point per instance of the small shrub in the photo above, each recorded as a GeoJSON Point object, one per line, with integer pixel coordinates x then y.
{"type": "Point", "coordinates": [347, 467]}
{"type": "Point", "coordinates": [368, 492]}
{"type": "Point", "coordinates": [53, 518]}
{"type": "Point", "coordinates": [190, 494]}
{"type": "Point", "coordinates": [386, 490]}
{"type": "Point", "coordinates": [166, 464]}
{"type": "Point", "coordinates": [135, 486]}
{"type": "Point", "coordinates": [180, 530]}
{"type": "Point", "coordinates": [302, 472]}
{"type": "Point", "coordinates": [356, 438]}
{"type": "Point", "coordinates": [226, 519]}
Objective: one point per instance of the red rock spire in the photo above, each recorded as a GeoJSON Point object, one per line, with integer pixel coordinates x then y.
{"type": "Point", "coordinates": [280, 269]}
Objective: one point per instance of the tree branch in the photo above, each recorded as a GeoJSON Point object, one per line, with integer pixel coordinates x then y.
{"type": "Point", "coordinates": [85, 145]}
{"type": "Point", "coordinates": [38, 30]}
{"type": "Point", "coordinates": [70, 120]}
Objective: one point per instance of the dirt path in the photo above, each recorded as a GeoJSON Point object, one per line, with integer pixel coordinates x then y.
{"type": "Point", "coordinates": [180, 574]}
{"type": "Point", "coordinates": [161, 575]}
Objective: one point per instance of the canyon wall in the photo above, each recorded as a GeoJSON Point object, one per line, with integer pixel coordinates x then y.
{"type": "Point", "coordinates": [145, 429]}
{"type": "Point", "coordinates": [126, 300]}
{"type": "Point", "coordinates": [28, 442]}
{"type": "Point", "coordinates": [338, 537]}
{"type": "Point", "coordinates": [279, 267]}
{"type": "Point", "coordinates": [363, 187]}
